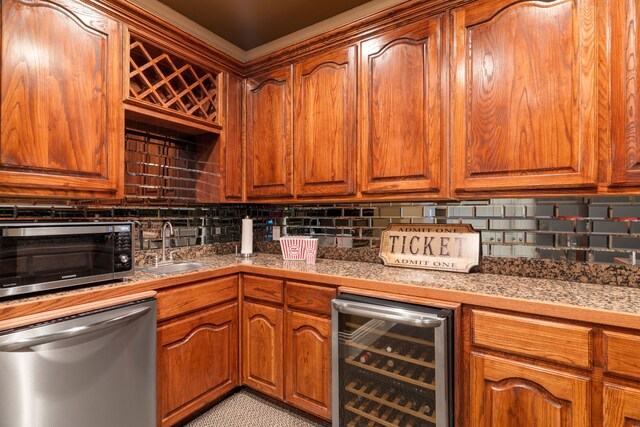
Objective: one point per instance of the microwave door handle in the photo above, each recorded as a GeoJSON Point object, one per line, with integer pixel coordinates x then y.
{"type": "Point", "coordinates": [392, 314]}
{"type": "Point", "coordinates": [55, 231]}
{"type": "Point", "coordinates": [12, 344]}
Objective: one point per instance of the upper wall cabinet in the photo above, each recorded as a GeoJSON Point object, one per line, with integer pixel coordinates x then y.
{"type": "Point", "coordinates": [325, 124]}
{"type": "Point", "coordinates": [164, 86]}
{"type": "Point", "coordinates": [269, 135]}
{"type": "Point", "coordinates": [524, 96]}
{"type": "Point", "coordinates": [61, 124]}
{"type": "Point", "coordinates": [401, 113]}
{"type": "Point", "coordinates": [625, 97]}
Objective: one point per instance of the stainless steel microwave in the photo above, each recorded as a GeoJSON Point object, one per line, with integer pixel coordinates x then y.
{"type": "Point", "coordinates": [41, 256]}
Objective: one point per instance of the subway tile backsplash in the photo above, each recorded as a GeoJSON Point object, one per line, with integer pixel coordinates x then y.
{"type": "Point", "coordinates": [595, 230]}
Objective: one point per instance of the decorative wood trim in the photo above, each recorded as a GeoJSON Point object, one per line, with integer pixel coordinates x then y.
{"type": "Point", "coordinates": [397, 16]}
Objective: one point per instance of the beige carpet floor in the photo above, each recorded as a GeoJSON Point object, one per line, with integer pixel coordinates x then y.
{"type": "Point", "coordinates": [245, 409]}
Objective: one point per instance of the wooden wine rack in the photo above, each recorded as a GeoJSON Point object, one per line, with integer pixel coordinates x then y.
{"type": "Point", "coordinates": [166, 82]}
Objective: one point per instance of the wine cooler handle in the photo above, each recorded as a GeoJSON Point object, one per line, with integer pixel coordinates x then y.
{"type": "Point", "coordinates": [392, 314]}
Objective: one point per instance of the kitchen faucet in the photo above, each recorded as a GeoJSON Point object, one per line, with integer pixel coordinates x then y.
{"type": "Point", "coordinates": [140, 234]}
{"type": "Point", "coordinates": [164, 239]}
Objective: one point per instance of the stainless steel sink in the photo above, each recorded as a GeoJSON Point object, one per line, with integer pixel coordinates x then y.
{"type": "Point", "coordinates": [174, 267]}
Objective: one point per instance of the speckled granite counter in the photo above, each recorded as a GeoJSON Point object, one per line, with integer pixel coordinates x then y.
{"type": "Point", "coordinates": [552, 291]}
{"type": "Point", "coordinates": [542, 296]}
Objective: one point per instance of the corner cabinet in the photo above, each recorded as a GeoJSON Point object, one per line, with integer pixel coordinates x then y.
{"type": "Point", "coordinates": [61, 120]}
{"type": "Point", "coordinates": [269, 137]}
{"type": "Point", "coordinates": [402, 127]}
{"type": "Point", "coordinates": [325, 124]}
{"type": "Point", "coordinates": [524, 96]}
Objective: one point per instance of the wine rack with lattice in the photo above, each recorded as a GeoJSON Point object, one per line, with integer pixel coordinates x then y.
{"type": "Point", "coordinates": [171, 83]}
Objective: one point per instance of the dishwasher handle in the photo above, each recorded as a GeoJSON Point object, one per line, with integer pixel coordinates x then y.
{"type": "Point", "coordinates": [14, 343]}
{"type": "Point", "coordinates": [392, 314]}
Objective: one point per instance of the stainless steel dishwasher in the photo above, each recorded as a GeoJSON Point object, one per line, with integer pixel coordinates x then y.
{"type": "Point", "coordinates": [95, 369]}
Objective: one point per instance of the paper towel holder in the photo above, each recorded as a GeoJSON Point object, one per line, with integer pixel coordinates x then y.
{"type": "Point", "coordinates": [244, 256]}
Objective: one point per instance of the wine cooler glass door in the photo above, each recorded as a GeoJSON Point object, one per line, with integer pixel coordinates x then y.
{"type": "Point", "coordinates": [390, 364]}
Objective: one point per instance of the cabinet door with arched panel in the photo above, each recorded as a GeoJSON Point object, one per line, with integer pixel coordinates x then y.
{"type": "Point", "coordinates": [262, 334]}
{"type": "Point", "coordinates": [401, 118]}
{"type": "Point", "coordinates": [524, 96]}
{"type": "Point", "coordinates": [325, 124]}
{"type": "Point", "coordinates": [508, 393]}
{"type": "Point", "coordinates": [269, 143]}
{"type": "Point", "coordinates": [308, 363]}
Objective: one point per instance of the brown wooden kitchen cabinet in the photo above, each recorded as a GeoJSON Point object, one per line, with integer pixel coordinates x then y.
{"type": "Point", "coordinates": [624, 166]}
{"type": "Point", "coordinates": [288, 356]}
{"type": "Point", "coordinates": [308, 363]}
{"type": "Point", "coordinates": [510, 393]}
{"type": "Point", "coordinates": [308, 347]}
{"type": "Point", "coordinates": [262, 335]}
{"type": "Point", "coordinates": [621, 406]}
{"type": "Point", "coordinates": [325, 124]}
{"type": "Point", "coordinates": [528, 371]}
{"type": "Point", "coordinates": [269, 137]}
{"type": "Point", "coordinates": [402, 116]}
{"type": "Point", "coordinates": [198, 345]}
{"type": "Point", "coordinates": [197, 361]}
{"type": "Point", "coordinates": [61, 121]}
{"type": "Point", "coordinates": [524, 96]}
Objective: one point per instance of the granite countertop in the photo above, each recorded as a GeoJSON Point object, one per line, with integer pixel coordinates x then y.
{"type": "Point", "coordinates": [591, 296]}
{"type": "Point", "coordinates": [602, 297]}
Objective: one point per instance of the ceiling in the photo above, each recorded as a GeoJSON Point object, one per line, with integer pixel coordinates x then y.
{"type": "Point", "coordinates": [252, 23]}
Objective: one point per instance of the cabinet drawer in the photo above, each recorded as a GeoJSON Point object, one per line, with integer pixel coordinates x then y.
{"type": "Point", "coordinates": [622, 354]}
{"type": "Point", "coordinates": [309, 297]}
{"type": "Point", "coordinates": [263, 289]}
{"type": "Point", "coordinates": [541, 339]}
{"type": "Point", "coordinates": [183, 299]}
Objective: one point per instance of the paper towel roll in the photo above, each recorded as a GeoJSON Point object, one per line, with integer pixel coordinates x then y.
{"type": "Point", "coordinates": [247, 236]}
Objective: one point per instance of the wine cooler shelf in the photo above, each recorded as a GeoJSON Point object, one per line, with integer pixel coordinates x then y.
{"type": "Point", "coordinates": [420, 406]}
{"type": "Point", "coordinates": [388, 406]}
{"type": "Point", "coordinates": [406, 334]}
{"type": "Point", "coordinates": [394, 358]}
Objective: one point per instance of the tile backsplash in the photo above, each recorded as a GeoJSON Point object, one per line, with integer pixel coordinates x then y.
{"type": "Point", "coordinates": [595, 230]}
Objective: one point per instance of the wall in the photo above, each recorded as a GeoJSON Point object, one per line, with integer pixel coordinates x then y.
{"type": "Point", "coordinates": [598, 230]}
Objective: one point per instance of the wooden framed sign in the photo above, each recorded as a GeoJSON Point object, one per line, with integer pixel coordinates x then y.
{"type": "Point", "coordinates": [449, 247]}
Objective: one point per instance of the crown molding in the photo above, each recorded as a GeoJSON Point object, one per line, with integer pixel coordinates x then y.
{"type": "Point", "coordinates": [172, 17]}
{"type": "Point", "coordinates": [321, 27]}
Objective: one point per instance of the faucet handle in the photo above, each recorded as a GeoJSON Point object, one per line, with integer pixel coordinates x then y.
{"type": "Point", "coordinates": [171, 254]}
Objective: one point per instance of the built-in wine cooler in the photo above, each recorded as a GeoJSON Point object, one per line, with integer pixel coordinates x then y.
{"type": "Point", "coordinates": [391, 364]}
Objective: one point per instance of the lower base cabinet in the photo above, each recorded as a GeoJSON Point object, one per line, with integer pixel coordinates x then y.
{"type": "Point", "coordinates": [308, 363]}
{"type": "Point", "coordinates": [621, 406]}
{"type": "Point", "coordinates": [197, 361]}
{"type": "Point", "coordinates": [510, 393]}
{"type": "Point", "coordinates": [262, 332]}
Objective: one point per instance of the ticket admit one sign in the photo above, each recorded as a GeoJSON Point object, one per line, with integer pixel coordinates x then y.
{"type": "Point", "coordinates": [431, 246]}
